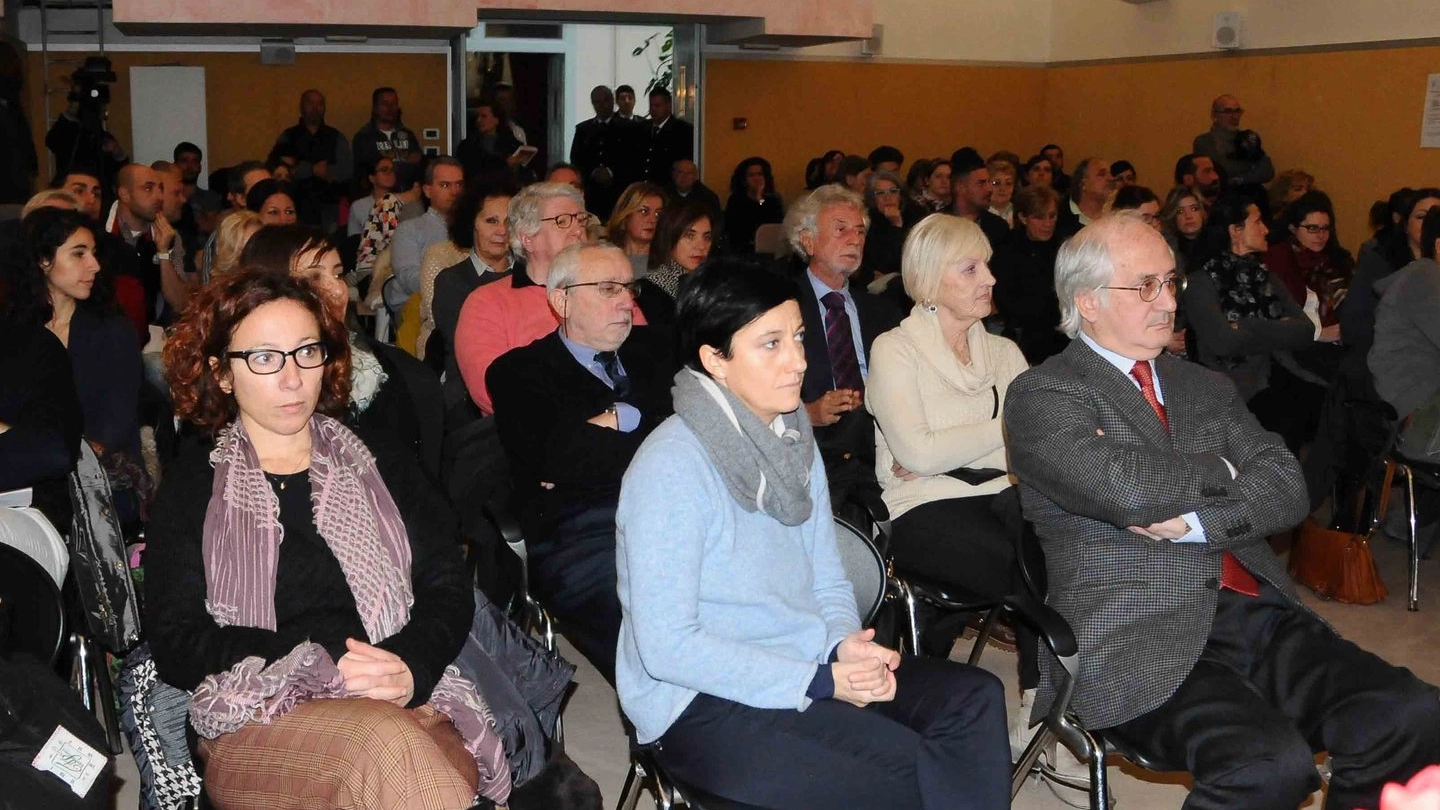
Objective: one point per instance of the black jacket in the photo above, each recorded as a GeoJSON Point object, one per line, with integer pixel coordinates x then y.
{"type": "Point", "coordinates": [1025, 296]}
{"type": "Point", "coordinates": [543, 398]}
{"type": "Point", "coordinates": [188, 645]}
{"type": "Point", "coordinates": [661, 148]}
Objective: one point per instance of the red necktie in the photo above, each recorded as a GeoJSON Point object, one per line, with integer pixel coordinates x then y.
{"type": "Point", "coordinates": [1232, 574]}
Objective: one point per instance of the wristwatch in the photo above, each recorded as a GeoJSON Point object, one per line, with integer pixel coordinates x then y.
{"type": "Point", "coordinates": [162, 257]}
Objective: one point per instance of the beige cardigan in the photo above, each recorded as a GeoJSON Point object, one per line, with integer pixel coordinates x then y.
{"type": "Point", "coordinates": [932, 414]}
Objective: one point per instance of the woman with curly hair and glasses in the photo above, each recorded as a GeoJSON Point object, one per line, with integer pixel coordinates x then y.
{"type": "Point", "coordinates": [321, 666]}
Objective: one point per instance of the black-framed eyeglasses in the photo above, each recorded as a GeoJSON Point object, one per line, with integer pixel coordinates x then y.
{"type": "Point", "coordinates": [1310, 228]}
{"type": "Point", "coordinates": [564, 221]}
{"type": "Point", "coordinates": [1149, 289]}
{"type": "Point", "coordinates": [1231, 110]}
{"type": "Point", "coordinates": [270, 361]}
{"type": "Point", "coordinates": [609, 289]}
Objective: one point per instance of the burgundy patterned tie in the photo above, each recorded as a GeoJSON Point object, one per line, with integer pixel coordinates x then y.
{"type": "Point", "coordinates": [844, 365]}
{"type": "Point", "coordinates": [1232, 574]}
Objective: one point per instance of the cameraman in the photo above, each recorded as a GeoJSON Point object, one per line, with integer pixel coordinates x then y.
{"type": "Point", "coordinates": [1238, 152]}
{"type": "Point", "coordinates": [78, 136]}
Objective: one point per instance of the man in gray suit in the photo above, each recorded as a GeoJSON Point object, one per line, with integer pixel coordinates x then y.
{"type": "Point", "coordinates": [1153, 491]}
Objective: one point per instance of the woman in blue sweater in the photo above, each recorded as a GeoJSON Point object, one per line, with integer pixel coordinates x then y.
{"type": "Point", "coordinates": [741, 659]}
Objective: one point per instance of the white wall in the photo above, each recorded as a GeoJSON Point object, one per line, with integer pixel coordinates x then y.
{"type": "Point", "coordinates": [601, 54]}
{"type": "Point", "coordinates": [1110, 29]}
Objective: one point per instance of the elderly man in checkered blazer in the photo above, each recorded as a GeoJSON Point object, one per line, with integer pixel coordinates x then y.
{"type": "Point", "coordinates": [1153, 491]}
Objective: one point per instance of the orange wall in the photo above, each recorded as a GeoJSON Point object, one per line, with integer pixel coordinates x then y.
{"type": "Point", "coordinates": [1351, 118]}
{"type": "Point", "coordinates": [800, 110]}
{"type": "Point", "coordinates": [250, 103]}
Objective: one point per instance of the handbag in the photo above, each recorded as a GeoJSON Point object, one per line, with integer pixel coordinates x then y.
{"type": "Point", "coordinates": [1336, 564]}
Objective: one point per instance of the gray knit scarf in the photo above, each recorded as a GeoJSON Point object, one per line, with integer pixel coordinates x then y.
{"type": "Point", "coordinates": [764, 472]}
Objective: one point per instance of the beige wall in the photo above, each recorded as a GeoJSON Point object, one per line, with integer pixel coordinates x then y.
{"type": "Point", "coordinates": [1110, 29]}
{"type": "Point", "coordinates": [958, 30]}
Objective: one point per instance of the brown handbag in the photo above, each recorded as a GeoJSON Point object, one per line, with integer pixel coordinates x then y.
{"type": "Point", "coordinates": [1337, 564]}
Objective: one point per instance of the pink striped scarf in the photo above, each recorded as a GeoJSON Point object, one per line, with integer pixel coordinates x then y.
{"type": "Point", "coordinates": [360, 523]}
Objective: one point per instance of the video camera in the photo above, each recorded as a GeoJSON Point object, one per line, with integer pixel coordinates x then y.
{"type": "Point", "coordinates": [90, 83]}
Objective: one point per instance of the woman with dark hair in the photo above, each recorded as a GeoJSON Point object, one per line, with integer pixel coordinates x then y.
{"type": "Point", "coordinates": [1248, 328]}
{"type": "Point", "coordinates": [1038, 171]}
{"type": "Point", "coordinates": [854, 173]}
{"type": "Point", "coordinates": [683, 239]}
{"type": "Point", "coordinates": [479, 225]}
{"type": "Point", "coordinates": [386, 384]}
{"type": "Point", "coordinates": [1395, 248]}
{"type": "Point", "coordinates": [56, 284]}
{"type": "Point", "coordinates": [821, 171]}
{"type": "Point", "coordinates": [915, 180]}
{"type": "Point", "coordinates": [342, 637]}
{"type": "Point", "coordinates": [740, 645]}
{"type": "Point", "coordinates": [632, 225]}
{"type": "Point", "coordinates": [488, 151]}
{"type": "Point", "coordinates": [1309, 263]}
{"type": "Point", "coordinates": [1024, 268]}
{"type": "Point", "coordinates": [273, 201]}
{"type": "Point", "coordinates": [1141, 200]}
{"type": "Point", "coordinates": [1182, 218]}
{"type": "Point", "coordinates": [380, 181]}
{"type": "Point", "coordinates": [753, 202]}
{"type": "Point", "coordinates": [936, 195]}
{"type": "Point", "coordinates": [892, 215]}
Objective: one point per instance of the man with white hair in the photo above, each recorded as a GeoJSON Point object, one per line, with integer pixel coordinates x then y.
{"type": "Point", "coordinates": [544, 219]}
{"type": "Point", "coordinates": [1153, 491]}
{"type": "Point", "coordinates": [827, 230]}
{"type": "Point", "coordinates": [571, 409]}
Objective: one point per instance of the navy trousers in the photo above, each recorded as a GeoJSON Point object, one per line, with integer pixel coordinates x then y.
{"type": "Point", "coordinates": [940, 744]}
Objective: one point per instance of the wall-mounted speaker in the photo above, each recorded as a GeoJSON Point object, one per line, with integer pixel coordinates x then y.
{"type": "Point", "coordinates": [280, 52]}
{"type": "Point", "coordinates": [875, 45]}
{"type": "Point", "coordinates": [1228, 30]}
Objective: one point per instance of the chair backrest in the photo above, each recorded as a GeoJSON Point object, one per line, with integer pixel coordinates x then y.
{"type": "Point", "coordinates": [863, 567]}
{"type": "Point", "coordinates": [30, 531]}
{"type": "Point", "coordinates": [32, 614]}
{"type": "Point", "coordinates": [770, 239]}
{"type": "Point", "coordinates": [102, 571]}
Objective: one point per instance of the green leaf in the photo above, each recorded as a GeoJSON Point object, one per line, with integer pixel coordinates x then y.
{"type": "Point", "coordinates": [669, 43]}
{"type": "Point", "coordinates": [638, 51]}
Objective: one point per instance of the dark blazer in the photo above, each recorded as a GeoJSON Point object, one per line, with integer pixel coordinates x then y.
{"type": "Point", "coordinates": [995, 228]}
{"type": "Point", "coordinates": [854, 435]}
{"type": "Point", "coordinates": [661, 149]}
{"type": "Point", "coordinates": [614, 145]}
{"type": "Point", "coordinates": [543, 398]}
{"type": "Point", "coordinates": [1142, 610]}
{"type": "Point", "coordinates": [452, 286]}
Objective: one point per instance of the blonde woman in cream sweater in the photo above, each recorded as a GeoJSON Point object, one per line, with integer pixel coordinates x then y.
{"type": "Point", "coordinates": [937, 383]}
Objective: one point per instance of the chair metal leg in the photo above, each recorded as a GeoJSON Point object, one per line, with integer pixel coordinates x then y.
{"type": "Point", "coordinates": [910, 615]}
{"type": "Point", "coordinates": [1414, 538]}
{"type": "Point", "coordinates": [1099, 784]}
{"type": "Point", "coordinates": [92, 682]}
{"type": "Point", "coordinates": [630, 793]}
{"type": "Point", "coordinates": [983, 637]}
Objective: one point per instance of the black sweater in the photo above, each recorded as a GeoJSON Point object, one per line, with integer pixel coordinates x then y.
{"type": "Point", "coordinates": [312, 600]}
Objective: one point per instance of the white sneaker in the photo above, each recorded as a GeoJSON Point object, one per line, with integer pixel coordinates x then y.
{"type": "Point", "coordinates": [1021, 732]}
